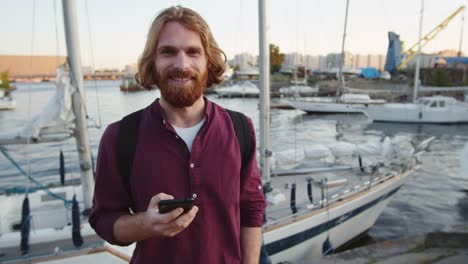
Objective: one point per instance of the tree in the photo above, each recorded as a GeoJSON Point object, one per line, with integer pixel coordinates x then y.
{"type": "Point", "coordinates": [5, 83]}
{"type": "Point", "coordinates": [276, 58]}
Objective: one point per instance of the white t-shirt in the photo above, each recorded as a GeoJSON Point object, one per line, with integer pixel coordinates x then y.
{"type": "Point", "coordinates": [188, 134]}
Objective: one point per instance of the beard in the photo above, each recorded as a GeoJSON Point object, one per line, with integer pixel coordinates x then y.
{"type": "Point", "coordinates": [181, 95]}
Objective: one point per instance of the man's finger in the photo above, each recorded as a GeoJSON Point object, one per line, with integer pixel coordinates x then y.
{"type": "Point", "coordinates": [184, 220]}
{"type": "Point", "coordinates": [170, 216]}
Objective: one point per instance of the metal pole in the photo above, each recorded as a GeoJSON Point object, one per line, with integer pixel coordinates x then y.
{"type": "Point", "coordinates": [341, 87]}
{"type": "Point", "coordinates": [81, 130]}
{"type": "Point", "coordinates": [460, 48]}
{"type": "Point", "coordinates": [264, 59]}
{"type": "Point", "coordinates": [418, 56]}
{"type": "Point", "coordinates": [461, 36]}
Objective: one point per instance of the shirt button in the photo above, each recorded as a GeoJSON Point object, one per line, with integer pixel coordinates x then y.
{"type": "Point", "coordinates": [194, 195]}
{"type": "Point", "coordinates": [192, 165]}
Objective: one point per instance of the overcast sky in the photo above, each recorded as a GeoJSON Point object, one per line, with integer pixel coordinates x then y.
{"type": "Point", "coordinates": [116, 29]}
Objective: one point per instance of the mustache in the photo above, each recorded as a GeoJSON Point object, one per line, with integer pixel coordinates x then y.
{"type": "Point", "coordinates": [178, 73]}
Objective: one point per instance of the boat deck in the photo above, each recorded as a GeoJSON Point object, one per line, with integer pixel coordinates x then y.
{"type": "Point", "coordinates": [48, 251]}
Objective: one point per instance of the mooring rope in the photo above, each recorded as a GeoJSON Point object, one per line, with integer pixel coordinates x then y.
{"type": "Point", "coordinates": [66, 202]}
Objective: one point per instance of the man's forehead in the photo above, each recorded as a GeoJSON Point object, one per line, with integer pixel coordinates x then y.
{"type": "Point", "coordinates": [174, 34]}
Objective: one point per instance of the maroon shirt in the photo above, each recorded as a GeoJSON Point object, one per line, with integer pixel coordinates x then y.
{"type": "Point", "coordinates": [226, 198]}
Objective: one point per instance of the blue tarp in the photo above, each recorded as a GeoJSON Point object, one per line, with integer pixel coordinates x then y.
{"type": "Point", "coordinates": [451, 60]}
{"type": "Point", "coordinates": [370, 73]}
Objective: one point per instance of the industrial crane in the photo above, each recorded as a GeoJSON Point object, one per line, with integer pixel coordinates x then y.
{"type": "Point", "coordinates": [412, 51]}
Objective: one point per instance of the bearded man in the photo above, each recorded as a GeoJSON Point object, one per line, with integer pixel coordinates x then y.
{"type": "Point", "coordinates": [187, 147]}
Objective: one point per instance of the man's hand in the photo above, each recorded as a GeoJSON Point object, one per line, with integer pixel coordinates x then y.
{"type": "Point", "coordinates": [168, 224]}
{"type": "Point", "coordinates": [144, 225]}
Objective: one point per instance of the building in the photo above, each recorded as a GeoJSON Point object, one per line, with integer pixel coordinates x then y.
{"type": "Point", "coordinates": [21, 66]}
{"type": "Point", "coordinates": [426, 61]}
{"type": "Point", "coordinates": [131, 69]}
{"type": "Point", "coordinates": [291, 60]}
{"type": "Point", "coordinates": [333, 60]}
{"type": "Point", "coordinates": [245, 61]}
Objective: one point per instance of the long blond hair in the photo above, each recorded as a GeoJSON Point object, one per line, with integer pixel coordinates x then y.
{"type": "Point", "coordinates": [190, 19]}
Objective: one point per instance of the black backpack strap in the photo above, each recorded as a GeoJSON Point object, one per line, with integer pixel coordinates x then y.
{"type": "Point", "coordinates": [241, 126]}
{"type": "Point", "coordinates": [127, 140]}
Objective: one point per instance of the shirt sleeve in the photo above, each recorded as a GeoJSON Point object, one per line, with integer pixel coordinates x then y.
{"type": "Point", "coordinates": [111, 199]}
{"type": "Point", "coordinates": [252, 200]}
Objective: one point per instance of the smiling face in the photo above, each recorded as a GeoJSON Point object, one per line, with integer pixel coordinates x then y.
{"type": "Point", "coordinates": [181, 65]}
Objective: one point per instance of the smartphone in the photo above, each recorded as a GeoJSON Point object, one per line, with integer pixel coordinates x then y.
{"type": "Point", "coordinates": [166, 206]}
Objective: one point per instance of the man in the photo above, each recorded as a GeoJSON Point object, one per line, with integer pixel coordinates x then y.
{"type": "Point", "coordinates": [187, 147]}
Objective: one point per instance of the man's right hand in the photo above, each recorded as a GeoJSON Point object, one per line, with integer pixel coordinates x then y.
{"type": "Point", "coordinates": [144, 225]}
{"type": "Point", "coordinates": [168, 224]}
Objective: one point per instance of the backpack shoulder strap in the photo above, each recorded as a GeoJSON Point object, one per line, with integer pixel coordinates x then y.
{"type": "Point", "coordinates": [127, 140]}
{"type": "Point", "coordinates": [241, 126]}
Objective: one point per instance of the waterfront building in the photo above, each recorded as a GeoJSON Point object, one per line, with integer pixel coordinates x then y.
{"type": "Point", "coordinates": [25, 66]}
{"type": "Point", "coordinates": [245, 61]}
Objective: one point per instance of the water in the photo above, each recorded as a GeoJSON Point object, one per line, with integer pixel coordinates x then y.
{"type": "Point", "coordinates": [435, 198]}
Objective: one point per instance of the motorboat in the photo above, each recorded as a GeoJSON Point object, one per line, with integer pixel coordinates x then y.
{"type": "Point", "coordinates": [434, 109]}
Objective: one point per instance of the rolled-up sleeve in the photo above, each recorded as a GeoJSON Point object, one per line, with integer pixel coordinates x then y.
{"type": "Point", "coordinates": [252, 200]}
{"type": "Point", "coordinates": [111, 199]}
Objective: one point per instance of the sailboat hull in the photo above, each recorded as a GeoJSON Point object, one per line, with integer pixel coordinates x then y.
{"type": "Point", "coordinates": [344, 221]}
{"type": "Point", "coordinates": [326, 107]}
{"type": "Point", "coordinates": [416, 113]}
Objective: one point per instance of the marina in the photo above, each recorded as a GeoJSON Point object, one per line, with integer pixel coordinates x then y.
{"type": "Point", "coordinates": [403, 215]}
{"type": "Point", "coordinates": [333, 180]}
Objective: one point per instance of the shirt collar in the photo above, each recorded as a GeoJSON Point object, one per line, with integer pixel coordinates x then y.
{"type": "Point", "coordinates": [160, 115]}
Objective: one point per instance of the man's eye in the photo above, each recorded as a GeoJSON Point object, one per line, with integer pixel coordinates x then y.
{"type": "Point", "coordinates": [193, 52]}
{"type": "Point", "coordinates": [167, 52]}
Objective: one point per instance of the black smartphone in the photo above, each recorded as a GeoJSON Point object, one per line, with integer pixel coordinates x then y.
{"type": "Point", "coordinates": [169, 205]}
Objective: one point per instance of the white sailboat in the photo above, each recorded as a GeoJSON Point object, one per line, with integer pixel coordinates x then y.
{"type": "Point", "coordinates": [37, 226]}
{"type": "Point", "coordinates": [335, 217]}
{"type": "Point", "coordinates": [321, 218]}
{"type": "Point", "coordinates": [7, 103]}
{"type": "Point", "coordinates": [435, 109]}
{"type": "Point", "coordinates": [241, 89]}
{"type": "Point", "coordinates": [343, 102]}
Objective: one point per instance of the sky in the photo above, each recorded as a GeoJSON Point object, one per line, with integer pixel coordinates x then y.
{"type": "Point", "coordinates": [113, 32]}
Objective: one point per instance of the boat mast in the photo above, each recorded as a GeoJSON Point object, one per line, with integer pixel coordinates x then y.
{"type": "Point", "coordinates": [81, 130]}
{"type": "Point", "coordinates": [341, 86]}
{"type": "Point", "coordinates": [264, 120]}
{"type": "Point", "coordinates": [418, 56]}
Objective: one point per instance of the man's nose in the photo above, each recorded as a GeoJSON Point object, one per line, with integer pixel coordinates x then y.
{"type": "Point", "coordinates": [181, 61]}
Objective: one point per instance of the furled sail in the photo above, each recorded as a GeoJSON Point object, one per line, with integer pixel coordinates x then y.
{"type": "Point", "coordinates": [53, 123]}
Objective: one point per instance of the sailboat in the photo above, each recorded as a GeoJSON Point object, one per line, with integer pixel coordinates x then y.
{"type": "Point", "coordinates": [45, 223]}
{"type": "Point", "coordinates": [433, 109]}
{"type": "Point", "coordinates": [7, 103]}
{"type": "Point", "coordinates": [330, 213]}
{"type": "Point", "coordinates": [343, 102]}
{"type": "Point", "coordinates": [330, 218]}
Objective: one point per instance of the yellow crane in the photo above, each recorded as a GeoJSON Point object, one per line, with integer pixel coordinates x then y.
{"type": "Point", "coordinates": [411, 52]}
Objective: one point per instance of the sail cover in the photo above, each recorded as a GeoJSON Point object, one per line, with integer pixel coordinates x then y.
{"type": "Point", "coordinates": [56, 118]}
{"type": "Point", "coordinates": [394, 53]}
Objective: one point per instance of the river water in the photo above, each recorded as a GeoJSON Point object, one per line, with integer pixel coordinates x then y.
{"type": "Point", "coordinates": [435, 198]}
